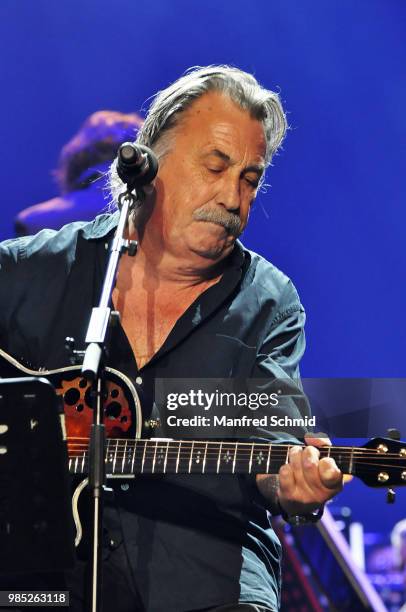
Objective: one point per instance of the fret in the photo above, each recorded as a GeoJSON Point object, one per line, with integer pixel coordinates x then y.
{"type": "Point", "coordinates": [204, 460]}
{"type": "Point", "coordinates": [70, 465]}
{"type": "Point", "coordinates": [133, 459]}
{"type": "Point", "coordinates": [185, 457]}
{"type": "Point", "coordinates": [242, 460]}
{"type": "Point", "coordinates": [115, 457]}
{"type": "Point", "coordinates": [83, 462]}
{"type": "Point", "coordinates": [219, 457]}
{"type": "Point", "coordinates": [140, 456]}
{"type": "Point", "coordinates": [250, 463]}
{"type": "Point", "coordinates": [287, 454]}
{"type": "Point", "coordinates": [143, 456]}
{"type": "Point", "coordinates": [197, 457]}
{"type": "Point", "coordinates": [269, 458]}
{"type": "Point", "coordinates": [212, 458]}
{"type": "Point", "coordinates": [109, 457]}
{"type": "Point", "coordinates": [177, 458]}
{"type": "Point", "coordinates": [351, 461]}
{"type": "Point", "coordinates": [226, 457]}
{"type": "Point", "coordinates": [129, 460]}
{"type": "Point", "coordinates": [344, 462]}
{"type": "Point", "coordinates": [160, 456]}
{"type": "Point", "coordinates": [153, 463]}
{"type": "Point", "coordinates": [171, 455]}
{"type": "Point", "coordinates": [106, 459]}
{"type": "Point", "coordinates": [258, 458]}
{"type": "Point", "coordinates": [124, 457]}
{"type": "Point", "coordinates": [166, 456]}
{"type": "Point", "coordinates": [235, 457]}
{"type": "Point", "coordinates": [76, 465]}
{"type": "Point", "coordinates": [191, 457]}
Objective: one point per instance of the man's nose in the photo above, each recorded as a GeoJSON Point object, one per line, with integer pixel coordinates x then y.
{"type": "Point", "coordinates": [230, 196]}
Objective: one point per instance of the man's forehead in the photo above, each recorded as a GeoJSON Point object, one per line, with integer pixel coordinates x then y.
{"type": "Point", "coordinates": [215, 121]}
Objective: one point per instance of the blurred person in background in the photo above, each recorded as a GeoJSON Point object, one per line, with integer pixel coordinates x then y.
{"type": "Point", "coordinates": [398, 540]}
{"type": "Point", "coordinates": [83, 161]}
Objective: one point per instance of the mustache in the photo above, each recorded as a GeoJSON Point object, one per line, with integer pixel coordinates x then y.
{"type": "Point", "coordinates": [230, 221]}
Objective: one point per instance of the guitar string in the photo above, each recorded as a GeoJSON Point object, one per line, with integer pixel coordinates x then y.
{"type": "Point", "coordinates": [133, 442]}
{"type": "Point", "coordinates": [367, 468]}
{"type": "Point", "coordinates": [371, 461]}
{"type": "Point", "coordinates": [153, 448]}
{"type": "Point", "coordinates": [151, 457]}
{"type": "Point", "coordinates": [240, 456]}
{"type": "Point", "coordinates": [240, 452]}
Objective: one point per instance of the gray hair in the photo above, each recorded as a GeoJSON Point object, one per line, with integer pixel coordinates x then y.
{"type": "Point", "coordinates": [168, 105]}
{"type": "Point", "coordinates": [241, 87]}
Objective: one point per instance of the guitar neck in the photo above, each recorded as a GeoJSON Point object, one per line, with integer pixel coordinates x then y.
{"type": "Point", "coordinates": [130, 457]}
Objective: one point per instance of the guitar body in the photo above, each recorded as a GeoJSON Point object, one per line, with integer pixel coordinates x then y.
{"type": "Point", "coordinates": [121, 406]}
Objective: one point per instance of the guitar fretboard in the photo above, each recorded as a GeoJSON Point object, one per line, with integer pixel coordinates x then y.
{"type": "Point", "coordinates": [126, 457]}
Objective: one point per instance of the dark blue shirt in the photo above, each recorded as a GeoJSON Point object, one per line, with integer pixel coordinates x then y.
{"type": "Point", "coordinates": [194, 541]}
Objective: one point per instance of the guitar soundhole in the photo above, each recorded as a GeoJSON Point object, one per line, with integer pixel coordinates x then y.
{"type": "Point", "coordinates": [112, 410]}
{"type": "Point", "coordinates": [114, 393]}
{"type": "Point", "coordinates": [71, 396]}
{"type": "Point", "coordinates": [88, 397]}
{"type": "Point", "coordinates": [79, 407]}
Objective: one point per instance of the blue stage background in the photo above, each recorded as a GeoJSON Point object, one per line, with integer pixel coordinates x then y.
{"type": "Point", "coordinates": [334, 217]}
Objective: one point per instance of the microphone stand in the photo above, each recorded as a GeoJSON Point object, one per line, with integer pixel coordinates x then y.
{"type": "Point", "coordinates": [101, 320]}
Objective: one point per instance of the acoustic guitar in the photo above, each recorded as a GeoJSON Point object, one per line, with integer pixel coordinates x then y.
{"type": "Point", "coordinates": [381, 462]}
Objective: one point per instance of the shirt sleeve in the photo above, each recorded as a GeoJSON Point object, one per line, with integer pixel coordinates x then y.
{"type": "Point", "coordinates": [284, 342]}
{"type": "Point", "coordinates": [9, 285]}
{"type": "Point", "coordinates": [276, 371]}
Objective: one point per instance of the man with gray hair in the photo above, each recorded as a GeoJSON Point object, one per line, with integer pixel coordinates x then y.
{"type": "Point", "coordinates": [194, 303]}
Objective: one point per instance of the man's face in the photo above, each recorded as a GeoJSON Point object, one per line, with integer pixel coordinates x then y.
{"type": "Point", "coordinates": [209, 178]}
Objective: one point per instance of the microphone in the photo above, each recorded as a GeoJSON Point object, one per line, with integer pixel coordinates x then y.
{"type": "Point", "coordinates": [137, 165]}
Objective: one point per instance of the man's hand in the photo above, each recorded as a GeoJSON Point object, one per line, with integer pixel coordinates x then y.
{"type": "Point", "coordinates": [306, 482]}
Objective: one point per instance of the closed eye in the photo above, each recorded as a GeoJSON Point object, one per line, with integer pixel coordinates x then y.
{"type": "Point", "coordinates": [253, 183]}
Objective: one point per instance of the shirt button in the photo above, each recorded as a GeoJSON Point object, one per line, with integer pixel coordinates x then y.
{"type": "Point", "coordinates": [138, 380]}
{"type": "Point", "coordinates": [125, 487]}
